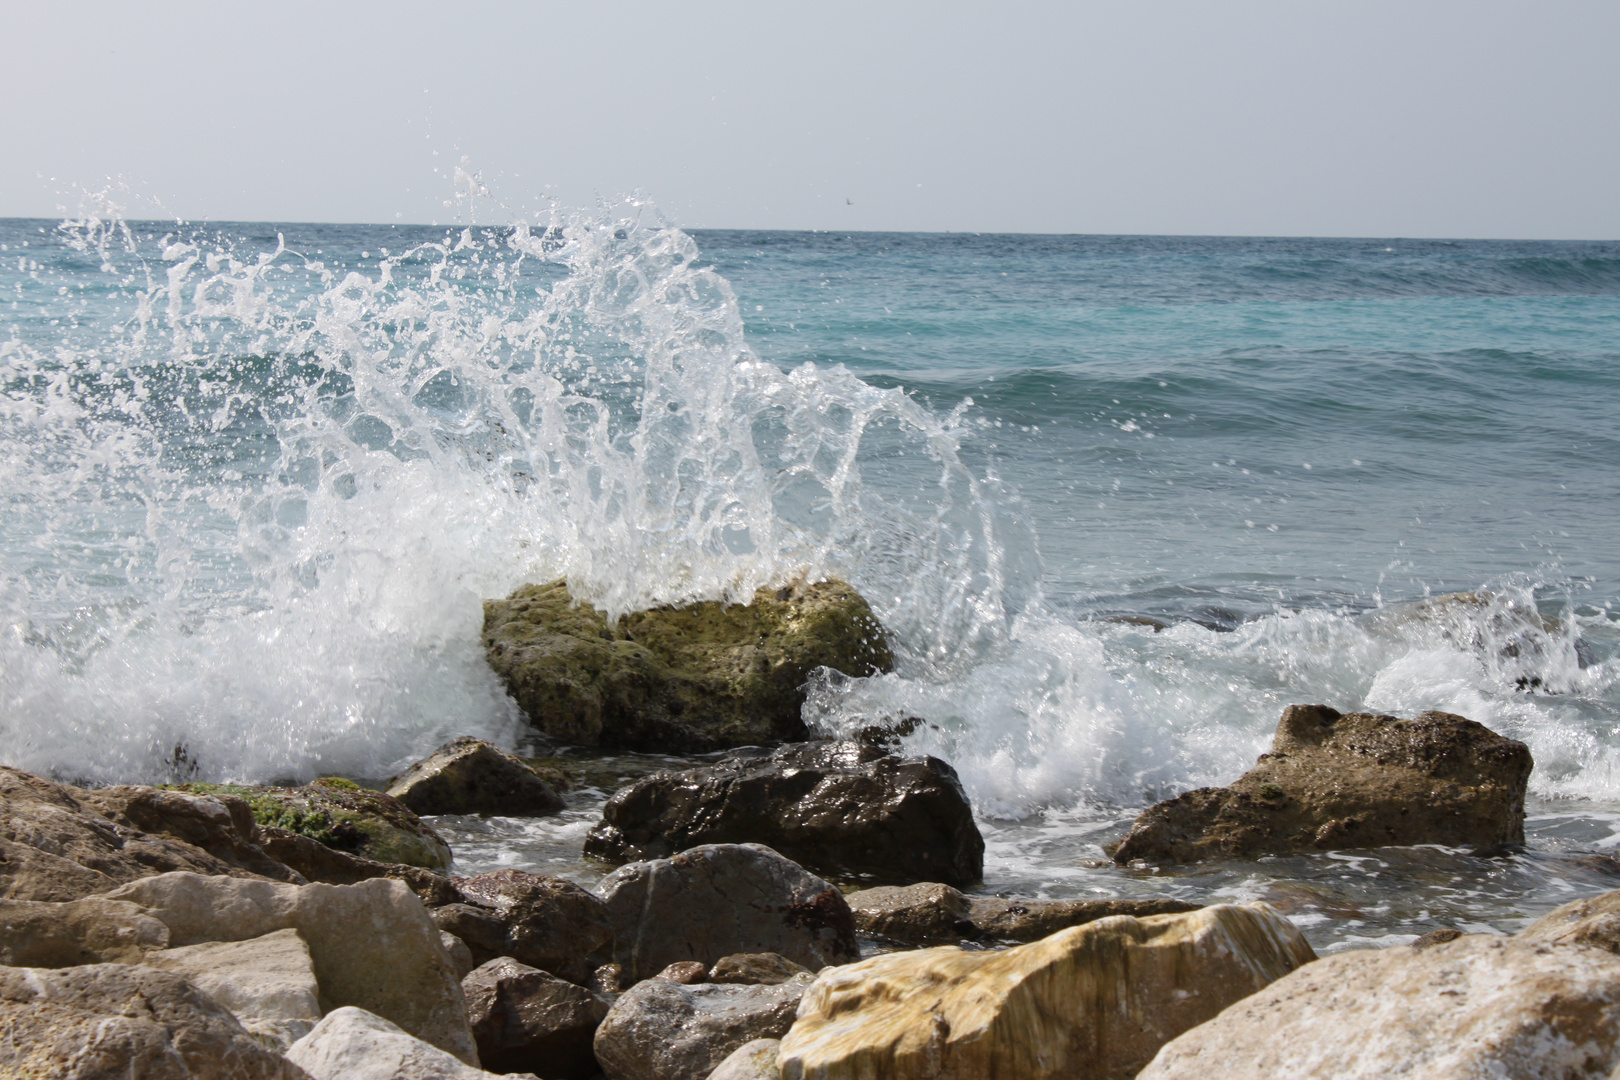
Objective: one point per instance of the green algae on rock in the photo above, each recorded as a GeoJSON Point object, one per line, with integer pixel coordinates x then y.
{"type": "Point", "coordinates": [706, 676]}
{"type": "Point", "coordinates": [343, 816]}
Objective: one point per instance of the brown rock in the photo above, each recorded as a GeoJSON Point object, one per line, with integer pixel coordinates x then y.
{"type": "Point", "coordinates": [56, 844]}
{"type": "Point", "coordinates": [687, 972]}
{"type": "Point", "coordinates": [705, 676]}
{"type": "Point", "coordinates": [1093, 1002]}
{"type": "Point", "coordinates": [1349, 780]}
{"type": "Point", "coordinates": [545, 922]}
{"type": "Point", "coordinates": [525, 1020]}
{"type": "Point", "coordinates": [89, 931]}
{"type": "Point", "coordinates": [118, 1021]}
{"type": "Point", "coordinates": [930, 913]}
{"type": "Point", "coordinates": [1594, 921]}
{"type": "Point", "coordinates": [755, 969]}
{"type": "Point", "coordinates": [1478, 1006]}
{"type": "Point", "coordinates": [471, 776]}
{"type": "Point", "coordinates": [317, 862]}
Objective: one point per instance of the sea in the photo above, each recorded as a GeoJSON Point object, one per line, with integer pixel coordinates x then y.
{"type": "Point", "coordinates": [1119, 500]}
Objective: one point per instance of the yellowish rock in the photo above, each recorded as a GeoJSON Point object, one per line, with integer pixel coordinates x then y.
{"type": "Point", "coordinates": [1093, 1002]}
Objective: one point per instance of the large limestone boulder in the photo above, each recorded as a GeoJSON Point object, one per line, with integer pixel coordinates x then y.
{"type": "Point", "coordinates": [1594, 921]}
{"type": "Point", "coordinates": [352, 1044]}
{"type": "Point", "coordinates": [62, 843]}
{"type": "Point", "coordinates": [663, 1030]}
{"type": "Point", "coordinates": [267, 982]}
{"type": "Point", "coordinates": [842, 809]}
{"type": "Point", "coordinates": [34, 933]}
{"type": "Point", "coordinates": [1088, 1003]}
{"type": "Point", "coordinates": [1349, 780]}
{"type": "Point", "coordinates": [471, 776]}
{"type": "Point", "coordinates": [344, 816]}
{"type": "Point", "coordinates": [525, 1020]}
{"type": "Point", "coordinates": [118, 1021]}
{"type": "Point", "coordinates": [372, 943]}
{"type": "Point", "coordinates": [932, 913]}
{"type": "Point", "coordinates": [546, 922]}
{"type": "Point", "coordinates": [721, 899]}
{"type": "Point", "coordinates": [702, 677]}
{"type": "Point", "coordinates": [1477, 1006]}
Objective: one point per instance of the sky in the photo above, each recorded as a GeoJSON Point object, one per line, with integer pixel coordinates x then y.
{"type": "Point", "coordinates": [1243, 117]}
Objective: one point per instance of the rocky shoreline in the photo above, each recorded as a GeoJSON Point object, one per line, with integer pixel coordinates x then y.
{"type": "Point", "coordinates": [783, 913]}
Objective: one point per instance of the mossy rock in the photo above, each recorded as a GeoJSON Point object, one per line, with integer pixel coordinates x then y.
{"type": "Point", "coordinates": [345, 817]}
{"type": "Point", "coordinates": [691, 679]}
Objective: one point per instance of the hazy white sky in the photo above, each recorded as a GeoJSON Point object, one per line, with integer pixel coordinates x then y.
{"type": "Point", "coordinates": [1375, 117]}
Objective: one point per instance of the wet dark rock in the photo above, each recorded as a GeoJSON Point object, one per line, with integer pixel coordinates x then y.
{"type": "Point", "coordinates": [661, 1030]}
{"type": "Point", "coordinates": [931, 913]}
{"type": "Point", "coordinates": [607, 979]}
{"type": "Point", "coordinates": [755, 969]}
{"type": "Point", "coordinates": [689, 972]}
{"type": "Point", "coordinates": [525, 1020]}
{"type": "Point", "coordinates": [842, 809]}
{"type": "Point", "coordinates": [62, 843]}
{"type": "Point", "coordinates": [343, 816]}
{"type": "Point", "coordinates": [117, 1021]}
{"type": "Point", "coordinates": [721, 899]}
{"type": "Point", "coordinates": [1594, 921]}
{"type": "Point", "coordinates": [545, 922]}
{"type": "Point", "coordinates": [317, 862]}
{"type": "Point", "coordinates": [1437, 937]}
{"type": "Point", "coordinates": [1349, 780]}
{"type": "Point", "coordinates": [702, 677]}
{"type": "Point", "coordinates": [471, 776]}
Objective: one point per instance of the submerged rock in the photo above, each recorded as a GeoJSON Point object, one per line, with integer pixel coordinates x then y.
{"type": "Point", "coordinates": [471, 776]}
{"type": "Point", "coordinates": [117, 1021]}
{"type": "Point", "coordinates": [702, 677]}
{"type": "Point", "coordinates": [62, 843]}
{"type": "Point", "coordinates": [345, 817]}
{"type": "Point", "coordinates": [372, 943]}
{"type": "Point", "coordinates": [1348, 780]}
{"type": "Point", "coordinates": [1474, 1007]}
{"type": "Point", "coordinates": [721, 899]}
{"type": "Point", "coordinates": [931, 913]}
{"type": "Point", "coordinates": [545, 922]}
{"type": "Point", "coordinates": [267, 982]}
{"type": "Point", "coordinates": [525, 1020]}
{"type": "Point", "coordinates": [842, 809]}
{"type": "Point", "coordinates": [663, 1030]}
{"type": "Point", "coordinates": [352, 1044]}
{"type": "Point", "coordinates": [1094, 1001]}
{"type": "Point", "coordinates": [89, 931]}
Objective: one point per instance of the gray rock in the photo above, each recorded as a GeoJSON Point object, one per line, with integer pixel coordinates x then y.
{"type": "Point", "coordinates": [751, 1061]}
{"type": "Point", "coordinates": [930, 913]}
{"type": "Point", "coordinates": [352, 1044]}
{"type": "Point", "coordinates": [660, 1030]}
{"type": "Point", "coordinates": [57, 843]}
{"type": "Point", "coordinates": [706, 676]}
{"type": "Point", "coordinates": [122, 1021]}
{"type": "Point", "coordinates": [1478, 1006]}
{"type": "Point", "coordinates": [89, 931]}
{"type": "Point", "coordinates": [471, 776]}
{"type": "Point", "coordinates": [527, 1020]}
{"type": "Point", "coordinates": [755, 969]}
{"type": "Point", "coordinates": [842, 809]}
{"type": "Point", "coordinates": [1349, 780]}
{"type": "Point", "coordinates": [372, 943]}
{"type": "Point", "coordinates": [545, 922]}
{"type": "Point", "coordinates": [721, 899]}
{"type": "Point", "coordinates": [267, 982]}
{"type": "Point", "coordinates": [461, 959]}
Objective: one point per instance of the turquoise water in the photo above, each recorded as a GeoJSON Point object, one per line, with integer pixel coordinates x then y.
{"type": "Point", "coordinates": [1119, 499]}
